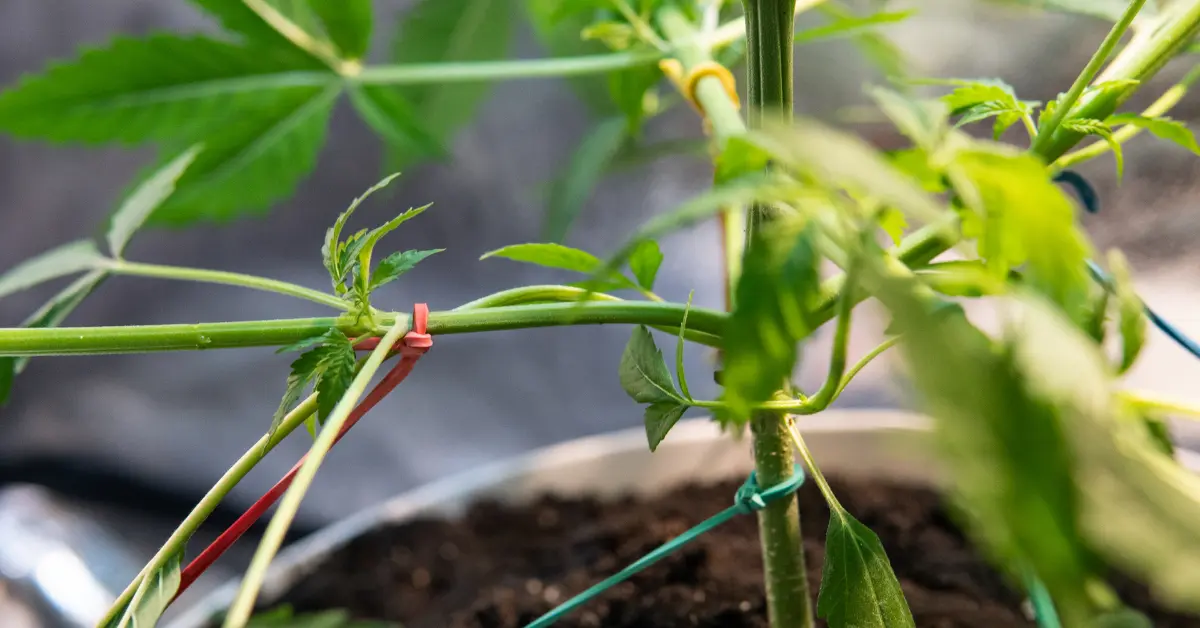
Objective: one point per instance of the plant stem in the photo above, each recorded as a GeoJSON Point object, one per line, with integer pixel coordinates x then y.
{"type": "Point", "coordinates": [212, 498]}
{"type": "Point", "coordinates": [1159, 107]}
{"type": "Point", "coordinates": [122, 267]}
{"type": "Point", "coordinates": [1093, 67]}
{"type": "Point", "coordinates": [841, 340]}
{"type": "Point", "coordinates": [243, 604]}
{"type": "Point", "coordinates": [1174, 407]}
{"type": "Point", "coordinates": [152, 338]}
{"type": "Point", "coordinates": [813, 469]}
{"type": "Point", "coordinates": [489, 71]}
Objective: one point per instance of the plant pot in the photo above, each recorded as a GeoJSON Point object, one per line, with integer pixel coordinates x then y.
{"type": "Point", "coordinates": [850, 444]}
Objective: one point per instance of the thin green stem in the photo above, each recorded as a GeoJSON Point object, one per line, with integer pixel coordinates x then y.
{"type": "Point", "coordinates": [289, 505]}
{"type": "Point", "coordinates": [212, 498]}
{"type": "Point", "coordinates": [639, 25]}
{"type": "Point", "coordinates": [489, 71]}
{"type": "Point", "coordinates": [153, 338]}
{"type": "Point", "coordinates": [813, 469]}
{"type": "Point", "coordinates": [137, 269]}
{"type": "Point", "coordinates": [864, 361]}
{"type": "Point", "coordinates": [841, 341]}
{"type": "Point", "coordinates": [1159, 107]}
{"type": "Point", "coordinates": [1093, 67]}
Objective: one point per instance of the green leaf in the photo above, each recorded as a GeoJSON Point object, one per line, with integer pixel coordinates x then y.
{"type": "Point", "coordinates": [159, 88]}
{"type": "Point", "coordinates": [333, 251]}
{"type": "Point", "coordinates": [448, 31]}
{"type": "Point", "coordinates": [892, 221]}
{"type": "Point", "coordinates": [851, 26]}
{"type": "Point", "coordinates": [922, 121]}
{"type": "Point", "coordinates": [397, 121]}
{"type": "Point", "coordinates": [960, 279]}
{"type": "Point", "coordinates": [645, 262]}
{"type": "Point", "coordinates": [336, 373]}
{"type": "Point", "coordinates": [572, 188]}
{"type": "Point", "coordinates": [1164, 128]}
{"type": "Point", "coordinates": [660, 418]}
{"type": "Point", "coordinates": [774, 299]}
{"type": "Point", "coordinates": [1131, 312]}
{"type": "Point", "coordinates": [254, 159]}
{"type": "Point", "coordinates": [633, 92]}
{"type": "Point", "coordinates": [305, 369]}
{"type": "Point", "coordinates": [396, 264]}
{"type": "Point", "coordinates": [1028, 219]}
{"type": "Point", "coordinates": [347, 23]}
{"type": "Point", "coordinates": [643, 371]}
{"type": "Point", "coordinates": [372, 237]}
{"type": "Point", "coordinates": [680, 371]}
{"type": "Point", "coordinates": [1002, 417]}
{"type": "Point", "coordinates": [739, 156]}
{"type": "Point", "coordinates": [138, 206]}
{"type": "Point", "coordinates": [1099, 128]}
{"type": "Point", "coordinates": [67, 259]}
{"type": "Point", "coordinates": [236, 16]}
{"type": "Point", "coordinates": [52, 314]}
{"type": "Point", "coordinates": [153, 595]}
{"type": "Point", "coordinates": [858, 587]}
{"type": "Point", "coordinates": [549, 255]}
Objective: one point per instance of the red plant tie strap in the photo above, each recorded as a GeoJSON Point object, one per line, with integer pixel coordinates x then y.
{"type": "Point", "coordinates": [414, 345]}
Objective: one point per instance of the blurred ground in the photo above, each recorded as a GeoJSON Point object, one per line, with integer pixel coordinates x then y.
{"type": "Point", "coordinates": [180, 419]}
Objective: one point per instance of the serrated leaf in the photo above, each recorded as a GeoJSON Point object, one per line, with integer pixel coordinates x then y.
{"type": "Point", "coordinates": [333, 250]}
{"type": "Point", "coordinates": [851, 26]}
{"type": "Point", "coordinates": [337, 372]}
{"type": "Point", "coordinates": [643, 371]}
{"type": "Point", "coordinates": [572, 188]}
{"type": "Point", "coordinates": [549, 255]}
{"type": "Point", "coordinates": [366, 245]}
{"type": "Point", "coordinates": [449, 31]}
{"type": "Point", "coordinates": [61, 261]}
{"type": "Point", "coordinates": [397, 121]}
{"type": "Point", "coordinates": [858, 587]}
{"type": "Point", "coordinates": [304, 370]}
{"type": "Point", "coordinates": [254, 159]}
{"type": "Point", "coordinates": [1131, 312]}
{"type": "Point", "coordinates": [347, 23]}
{"type": "Point", "coordinates": [128, 92]}
{"type": "Point", "coordinates": [52, 314]}
{"type": "Point", "coordinates": [1099, 128]}
{"type": "Point", "coordinates": [660, 417]}
{"type": "Point", "coordinates": [396, 264]}
{"type": "Point", "coordinates": [774, 299]}
{"type": "Point", "coordinates": [645, 262]}
{"type": "Point", "coordinates": [1164, 128]}
{"type": "Point", "coordinates": [236, 16]}
{"type": "Point", "coordinates": [153, 595]}
{"type": "Point", "coordinates": [1028, 219]}
{"type": "Point", "coordinates": [922, 121]}
{"type": "Point", "coordinates": [146, 198]}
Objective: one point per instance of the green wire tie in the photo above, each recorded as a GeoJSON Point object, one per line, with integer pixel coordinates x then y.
{"type": "Point", "coordinates": [749, 498]}
{"type": "Point", "coordinates": [1043, 606]}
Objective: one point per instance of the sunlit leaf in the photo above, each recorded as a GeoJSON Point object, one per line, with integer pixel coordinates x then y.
{"type": "Point", "coordinates": [549, 255]}
{"type": "Point", "coordinates": [858, 587]}
{"type": "Point", "coordinates": [153, 595]}
{"type": "Point", "coordinates": [61, 261]}
{"type": "Point", "coordinates": [146, 198]}
{"type": "Point", "coordinates": [1099, 128]}
{"type": "Point", "coordinates": [1164, 128]}
{"type": "Point", "coordinates": [332, 250]}
{"type": "Point", "coordinates": [892, 221]}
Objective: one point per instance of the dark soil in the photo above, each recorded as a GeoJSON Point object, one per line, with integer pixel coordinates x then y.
{"type": "Point", "coordinates": [503, 566]}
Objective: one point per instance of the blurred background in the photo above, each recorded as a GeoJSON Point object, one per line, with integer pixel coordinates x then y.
{"type": "Point", "coordinates": [135, 440]}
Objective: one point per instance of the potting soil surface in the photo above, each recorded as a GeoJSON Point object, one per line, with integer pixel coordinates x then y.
{"type": "Point", "coordinates": [502, 566]}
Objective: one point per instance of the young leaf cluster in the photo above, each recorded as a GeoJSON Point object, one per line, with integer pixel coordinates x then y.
{"type": "Point", "coordinates": [348, 257]}
{"type": "Point", "coordinates": [329, 367]}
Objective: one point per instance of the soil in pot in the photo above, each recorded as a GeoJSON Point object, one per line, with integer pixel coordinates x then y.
{"type": "Point", "coordinates": [502, 566]}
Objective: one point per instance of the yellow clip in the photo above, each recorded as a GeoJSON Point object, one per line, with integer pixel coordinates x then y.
{"type": "Point", "coordinates": [687, 84]}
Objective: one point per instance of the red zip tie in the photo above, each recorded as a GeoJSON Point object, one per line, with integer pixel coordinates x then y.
{"type": "Point", "coordinates": [414, 345]}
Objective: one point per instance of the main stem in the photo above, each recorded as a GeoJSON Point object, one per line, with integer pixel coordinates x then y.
{"type": "Point", "coordinates": [769, 29]}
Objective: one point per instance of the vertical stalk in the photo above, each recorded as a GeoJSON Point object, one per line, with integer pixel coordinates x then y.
{"type": "Point", "coordinates": [769, 30]}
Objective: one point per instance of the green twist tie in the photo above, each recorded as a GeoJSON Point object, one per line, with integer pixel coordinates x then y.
{"type": "Point", "coordinates": [749, 498]}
